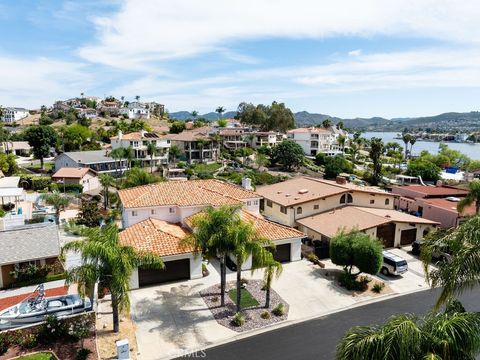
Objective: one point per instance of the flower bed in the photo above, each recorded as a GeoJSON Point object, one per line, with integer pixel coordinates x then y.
{"type": "Point", "coordinates": [255, 316]}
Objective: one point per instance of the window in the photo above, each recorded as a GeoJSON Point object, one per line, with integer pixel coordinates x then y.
{"type": "Point", "coordinates": [349, 198]}
{"type": "Point", "coordinates": [342, 199]}
{"type": "Point", "coordinates": [299, 210]}
{"type": "Point", "coordinates": [134, 213]}
{"type": "Point", "coordinates": [249, 203]}
{"type": "Point", "coordinates": [283, 209]}
{"type": "Point", "coordinates": [372, 201]}
{"type": "Point", "coordinates": [346, 198]}
{"type": "Point", "coordinates": [387, 201]}
{"type": "Point", "coordinates": [171, 210]}
{"type": "Point", "coordinates": [316, 207]}
{"type": "Point", "coordinates": [269, 203]}
{"type": "Point", "coordinates": [255, 202]}
{"type": "Point", "coordinates": [152, 212]}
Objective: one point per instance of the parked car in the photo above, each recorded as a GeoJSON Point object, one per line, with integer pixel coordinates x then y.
{"type": "Point", "coordinates": [438, 256]}
{"type": "Point", "coordinates": [393, 264]}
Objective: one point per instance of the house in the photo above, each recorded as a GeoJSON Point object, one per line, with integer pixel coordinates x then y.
{"type": "Point", "coordinates": [97, 160]}
{"type": "Point", "coordinates": [287, 202]}
{"type": "Point", "coordinates": [313, 140]}
{"type": "Point", "coordinates": [14, 114]}
{"type": "Point", "coordinates": [173, 201]}
{"type": "Point", "coordinates": [444, 211]}
{"type": "Point", "coordinates": [78, 175]}
{"type": "Point", "coordinates": [155, 108]}
{"type": "Point", "coordinates": [139, 142]}
{"type": "Point", "coordinates": [19, 148]}
{"type": "Point", "coordinates": [265, 138]}
{"type": "Point", "coordinates": [197, 145]}
{"type": "Point", "coordinates": [394, 228]}
{"type": "Point", "coordinates": [88, 113]}
{"type": "Point", "coordinates": [135, 110]}
{"type": "Point", "coordinates": [12, 193]}
{"type": "Point", "coordinates": [37, 244]}
{"type": "Point", "coordinates": [232, 138]}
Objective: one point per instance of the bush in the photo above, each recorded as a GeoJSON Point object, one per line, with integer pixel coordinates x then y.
{"type": "Point", "coordinates": [349, 282]}
{"type": "Point", "coordinates": [243, 281]}
{"type": "Point", "coordinates": [238, 319]}
{"type": "Point", "coordinates": [82, 354]}
{"type": "Point", "coordinates": [378, 287]}
{"type": "Point", "coordinates": [279, 310]}
{"type": "Point", "coordinates": [52, 330]}
{"type": "Point", "coordinates": [265, 315]}
{"type": "Point", "coordinates": [312, 258]}
{"type": "Point", "coordinates": [3, 344]}
{"type": "Point", "coordinates": [28, 341]}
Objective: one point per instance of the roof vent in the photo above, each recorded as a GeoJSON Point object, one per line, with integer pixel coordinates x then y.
{"type": "Point", "coordinates": [296, 198]}
{"type": "Point", "coordinates": [287, 195]}
{"type": "Point", "coordinates": [279, 192]}
{"type": "Point", "coordinates": [388, 216]}
{"type": "Point", "coordinates": [303, 191]}
{"type": "Point", "coordinates": [453, 199]}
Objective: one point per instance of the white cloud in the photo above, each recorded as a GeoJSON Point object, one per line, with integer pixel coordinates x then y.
{"type": "Point", "coordinates": [145, 31]}
{"type": "Point", "coordinates": [355, 52]}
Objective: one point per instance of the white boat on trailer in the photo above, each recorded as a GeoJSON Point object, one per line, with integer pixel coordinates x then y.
{"type": "Point", "coordinates": [36, 306]}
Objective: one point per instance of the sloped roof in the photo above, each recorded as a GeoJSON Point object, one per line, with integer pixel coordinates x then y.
{"type": "Point", "coordinates": [88, 157]}
{"type": "Point", "coordinates": [72, 173]}
{"type": "Point", "coordinates": [427, 191]}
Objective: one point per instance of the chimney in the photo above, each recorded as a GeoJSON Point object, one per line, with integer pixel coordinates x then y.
{"type": "Point", "coordinates": [143, 132]}
{"type": "Point", "coordinates": [247, 183]}
{"type": "Point", "coordinates": [340, 180]}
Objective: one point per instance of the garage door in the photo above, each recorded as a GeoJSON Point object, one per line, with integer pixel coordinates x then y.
{"type": "Point", "coordinates": [386, 233]}
{"type": "Point", "coordinates": [174, 270]}
{"type": "Point", "coordinates": [281, 253]}
{"type": "Point", "coordinates": [408, 236]}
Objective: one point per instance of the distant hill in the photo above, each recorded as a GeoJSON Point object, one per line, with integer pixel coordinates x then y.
{"type": "Point", "coordinates": [185, 115]}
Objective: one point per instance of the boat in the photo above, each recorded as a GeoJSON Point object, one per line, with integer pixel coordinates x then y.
{"type": "Point", "coordinates": [36, 306]}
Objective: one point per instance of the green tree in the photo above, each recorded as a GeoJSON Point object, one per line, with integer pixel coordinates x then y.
{"type": "Point", "coordinates": [273, 269]}
{"type": "Point", "coordinates": [376, 152]}
{"type": "Point", "coordinates": [45, 120]}
{"type": "Point", "coordinates": [106, 181]}
{"type": "Point", "coordinates": [201, 143]}
{"type": "Point", "coordinates": [194, 114]}
{"type": "Point", "coordinates": [280, 118]}
{"type": "Point", "coordinates": [406, 140]}
{"type": "Point", "coordinates": [462, 271]}
{"type": "Point", "coordinates": [220, 110]}
{"type": "Point", "coordinates": [424, 168]}
{"type": "Point", "coordinates": [473, 197]}
{"type": "Point", "coordinates": [56, 200]}
{"type": "Point", "coordinates": [177, 127]}
{"type": "Point", "coordinates": [107, 261]}
{"type": "Point", "coordinates": [41, 139]}
{"type": "Point", "coordinates": [341, 142]}
{"type": "Point", "coordinates": [174, 152]}
{"type": "Point", "coordinates": [8, 164]}
{"type": "Point", "coordinates": [137, 177]}
{"type": "Point", "coordinates": [356, 249]}
{"type": "Point", "coordinates": [334, 165]}
{"type": "Point", "coordinates": [118, 154]}
{"type": "Point", "coordinates": [412, 142]}
{"type": "Point", "coordinates": [222, 123]}
{"type": "Point", "coordinates": [327, 123]}
{"type": "Point", "coordinates": [261, 160]}
{"type": "Point", "coordinates": [449, 335]}
{"type": "Point", "coordinates": [244, 153]}
{"type": "Point", "coordinates": [75, 136]}
{"type": "Point", "coordinates": [274, 117]}
{"type": "Point", "coordinates": [354, 150]}
{"type": "Point", "coordinates": [289, 154]}
{"type": "Point", "coordinates": [89, 214]}
{"type": "Point", "coordinates": [151, 151]}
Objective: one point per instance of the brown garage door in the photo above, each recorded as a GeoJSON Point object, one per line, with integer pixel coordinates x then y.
{"type": "Point", "coordinates": [174, 270]}
{"type": "Point", "coordinates": [282, 253]}
{"type": "Point", "coordinates": [386, 233]}
{"type": "Point", "coordinates": [408, 236]}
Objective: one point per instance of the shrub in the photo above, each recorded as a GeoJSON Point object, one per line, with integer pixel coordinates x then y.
{"type": "Point", "coordinates": [80, 328]}
{"type": "Point", "coordinates": [350, 282]}
{"type": "Point", "coordinates": [312, 258]}
{"type": "Point", "coordinates": [52, 329]}
{"type": "Point", "coordinates": [279, 310]}
{"type": "Point", "coordinates": [378, 287]}
{"type": "Point", "coordinates": [28, 341]}
{"type": "Point", "coordinates": [3, 344]}
{"type": "Point", "coordinates": [82, 354]}
{"type": "Point", "coordinates": [238, 319]}
{"type": "Point", "coordinates": [243, 281]}
{"type": "Point", "coordinates": [265, 315]}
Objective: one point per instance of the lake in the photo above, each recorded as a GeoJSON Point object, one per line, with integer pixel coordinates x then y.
{"type": "Point", "coordinates": [471, 150]}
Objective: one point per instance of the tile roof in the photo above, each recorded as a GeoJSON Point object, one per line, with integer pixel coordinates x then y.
{"type": "Point", "coordinates": [307, 130]}
{"type": "Point", "coordinates": [72, 173]}
{"type": "Point", "coordinates": [192, 135]}
{"type": "Point", "coordinates": [185, 193]}
{"type": "Point", "coordinates": [353, 217]}
{"type": "Point", "coordinates": [302, 189]}
{"type": "Point", "coordinates": [29, 242]}
{"type": "Point", "coordinates": [434, 190]}
{"type": "Point", "coordinates": [448, 205]}
{"type": "Point", "coordinates": [266, 229]}
{"type": "Point", "coordinates": [156, 236]}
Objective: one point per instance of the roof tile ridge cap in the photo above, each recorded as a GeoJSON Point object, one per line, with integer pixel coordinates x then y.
{"type": "Point", "coordinates": [365, 210]}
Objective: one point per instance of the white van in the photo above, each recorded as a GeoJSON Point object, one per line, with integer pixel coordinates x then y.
{"type": "Point", "coordinates": [393, 264]}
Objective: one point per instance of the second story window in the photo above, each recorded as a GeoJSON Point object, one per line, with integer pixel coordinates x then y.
{"type": "Point", "coordinates": [299, 210]}
{"type": "Point", "coordinates": [269, 203]}
{"type": "Point", "coordinates": [283, 209]}
{"type": "Point", "coordinates": [134, 213]}
{"type": "Point", "coordinates": [316, 207]}
{"type": "Point", "coordinates": [387, 201]}
{"type": "Point", "coordinates": [171, 210]}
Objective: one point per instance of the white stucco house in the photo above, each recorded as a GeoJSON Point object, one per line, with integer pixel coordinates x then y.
{"type": "Point", "coordinates": [13, 114]}
{"type": "Point", "coordinates": [135, 110]}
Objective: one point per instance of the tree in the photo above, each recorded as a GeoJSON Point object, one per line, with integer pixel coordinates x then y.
{"type": "Point", "coordinates": [56, 200]}
{"type": "Point", "coordinates": [273, 269]}
{"type": "Point", "coordinates": [75, 136]}
{"type": "Point", "coordinates": [128, 155]}
{"type": "Point", "coordinates": [174, 152]}
{"type": "Point", "coordinates": [424, 168]}
{"type": "Point", "coordinates": [41, 139]}
{"type": "Point", "coordinates": [8, 164]}
{"type": "Point", "coordinates": [280, 117]}
{"type": "Point", "coordinates": [244, 153]}
{"type": "Point", "coordinates": [327, 123]}
{"type": "Point", "coordinates": [376, 152]}
{"type": "Point", "coordinates": [261, 160]}
{"type": "Point", "coordinates": [152, 151]}
{"type": "Point", "coordinates": [289, 154]}
{"type": "Point", "coordinates": [462, 270]}
{"type": "Point", "coordinates": [274, 117]}
{"type": "Point", "coordinates": [222, 123]}
{"type": "Point", "coordinates": [406, 140]}
{"type": "Point", "coordinates": [107, 261]}
{"type": "Point", "coordinates": [210, 237]}
{"type": "Point", "coordinates": [220, 110]}
{"type": "Point", "coordinates": [354, 150]}
{"type": "Point", "coordinates": [89, 214]}
{"type": "Point", "coordinates": [341, 141]}
{"type": "Point", "coordinates": [194, 114]}
{"type": "Point", "coordinates": [137, 97]}
{"type": "Point", "coordinates": [473, 197]}
{"type": "Point", "coordinates": [106, 181]}
{"type": "Point", "coordinates": [177, 127]}
{"type": "Point", "coordinates": [334, 165]}
{"type": "Point", "coordinates": [356, 249]}
{"type": "Point", "coordinates": [201, 144]}
{"type": "Point", "coordinates": [246, 243]}
{"type": "Point", "coordinates": [412, 142]}
{"type": "Point", "coordinates": [450, 335]}
{"type": "Point", "coordinates": [118, 154]}
{"type": "Point", "coordinates": [137, 177]}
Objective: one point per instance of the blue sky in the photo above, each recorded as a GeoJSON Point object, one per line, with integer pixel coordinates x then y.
{"type": "Point", "coordinates": [345, 58]}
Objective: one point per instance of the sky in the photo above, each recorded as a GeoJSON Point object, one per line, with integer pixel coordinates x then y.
{"type": "Point", "coordinates": [345, 58]}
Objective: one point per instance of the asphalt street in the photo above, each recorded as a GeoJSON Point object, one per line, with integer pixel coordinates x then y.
{"type": "Point", "coordinates": [317, 339]}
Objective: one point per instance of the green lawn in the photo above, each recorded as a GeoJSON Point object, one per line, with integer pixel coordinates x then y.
{"type": "Point", "coordinates": [207, 167]}
{"type": "Point", "coordinates": [38, 356]}
{"type": "Point", "coordinates": [247, 299]}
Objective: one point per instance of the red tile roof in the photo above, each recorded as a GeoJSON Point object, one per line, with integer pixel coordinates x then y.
{"type": "Point", "coordinates": [449, 205]}
{"type": "Point", "coordinates": [435, 190]}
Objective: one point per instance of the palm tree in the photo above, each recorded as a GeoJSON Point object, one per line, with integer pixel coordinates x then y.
{"type": "Point", "coordinates": [152, 151]}
{"type": "Point", "coordinates": [128, 155]}
{"type": "Point", "coordinates": [56, 200]}
{"type": "Point", "coordinates": [210, 237]}
{"type": "Point", "coordinates": [247, 243]}
{"type": "Point", "coordinates": [341, 141]}
{"type": "Point", "coordinates": [174, 152]}
{"type": "Point", "coordinates": [137, 97]}
{"type": "Point", "coordinates": [354, 150]}
{"type": "Point", "coordinates": [406, 140]}
{"type": "Point", "coordinates": [273, 269]}
{"type": "Point", "coordinates": [106, 180]}
{"type": "Point", "coordinates": [462, 270]}
{"type": "Point", "coordinates": [137, 176]}
{"type": "Point", "coordinates": [220, 110]}
{"type": "Point", "coordinates": [107, 261]}
{"type": "Point", "coordinates": [327, 123]}
{"type": "Point", "coordinates": [376, 151]}
{"type": "Point", "coordinates": [201, 144]}
{"type": "Point", "coordinates": [473, 197]}
{"type": "Point", "coordinates": [412, 141]}
{"type": "Point", "coordinates": [117, 154]}
{"type": "Point", "coordinates": [194, 114]}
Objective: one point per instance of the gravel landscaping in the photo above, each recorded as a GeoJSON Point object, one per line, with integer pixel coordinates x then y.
{"type": "Point", "coordinates": [224, 315]}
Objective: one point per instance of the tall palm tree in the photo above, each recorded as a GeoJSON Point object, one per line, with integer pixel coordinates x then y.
{"type": "Point", "coordinates": [210, 237]}
{"type": "Point", "coordinates": [220, 110]}
{"type": "Point", "coordinates": [327, 123]}
{"type": "Point", "coordinates": [449, 335]}
{"type": "Point", "coordinates": [128, 155]}
{"type": "Point", "coordinates": [341, 141]}
{"type": "Point", "coordinates": [462, 270]}
{"type": "Point", "coordinates": [118, 154]}
{"type": "Point", "coordinates": [137, 97]}
{"type": "Point", "coordinates": [273, 269]}
{"type": "Point", "coordinates": [152, 151]}
{"type": "Point", "coordinates": [194, 114]}
{"type": "Point", "coordinates": [412, 142]}
{"type": "Point", "coordinates": [57, 200]}
{"type": "Point", "coordinates": [406, 140]}
{"type": "Point", "coordinates": [106, 181]}
{"type": "Point", "coordinates": [473, 197]}
{"type": "Point", "coordinates": [107, 261]}
{"type": "Point", "coordinates": [246, 243]}
{"type": "Point", "coordinates": [354, 150]}
{"type": "Point", "coordinates": [174, 152]}
{"type": "Point", "coordinates": [201, 144]}
{"type": "Point", "coordinates": [376, 151]}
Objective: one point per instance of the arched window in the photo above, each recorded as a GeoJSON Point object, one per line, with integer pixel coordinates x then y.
{"type": "Point", "coordinates": [342, 199]}
{"type": "Point", "coordinates": [299, 210]}
{"type": "Point", "coordinates": [387, 201]}
{"type": "Point", "coordinates": [349, 198]}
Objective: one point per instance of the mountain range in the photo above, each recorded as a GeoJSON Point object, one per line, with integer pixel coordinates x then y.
{"type": "Point", "coordinates": [466, 121]}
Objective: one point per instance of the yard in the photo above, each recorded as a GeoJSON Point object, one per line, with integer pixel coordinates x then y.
{"type": "Point", "coordinates": [246, 299]}
{"type": "Point", "coordinates": [38, 356]}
